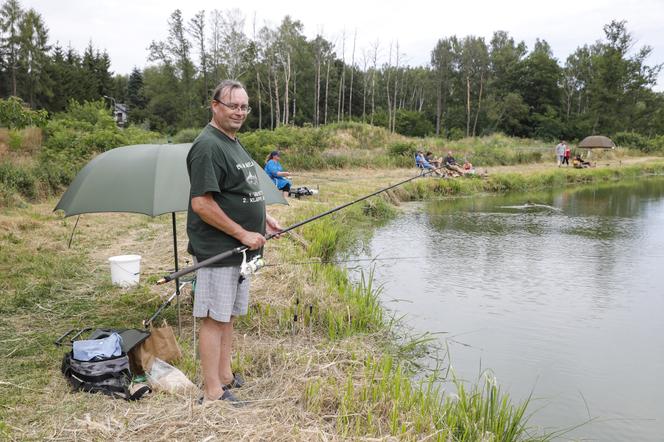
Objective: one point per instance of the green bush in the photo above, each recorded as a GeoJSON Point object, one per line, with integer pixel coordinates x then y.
{"type": "Point", "coordinates": [413, 124]}
{"type": "Point", "coordinates": [186, 135]}
{"type": "Point", "coordinates": [94, 113]}
{"type": "Point", "coordinates": [455, 134]}
{"type": "Point", "coordinates": [632, 140]}
{"type": "Point", "coordinates": [75, 135]}
{"type": "Point", "coordinates": [298, 141]}
{"type": "Point", "coordinates": [18, 179]}
{"type": "Point", "coordinates": [15, 114]}
{"type": "Point", "coordinates": [402, 149]}
{"type": "Point", "coordinates": [657, 144]}
{"type": "Point", "coordinates": [15, 140]}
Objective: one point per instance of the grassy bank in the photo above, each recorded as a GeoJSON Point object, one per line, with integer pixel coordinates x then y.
{"type": "Point", "coordinates": [320, 356]}
{"type": "Point", "coordinates": [525, 182]}
{"type": "Point", "coordinates": [36, 163]}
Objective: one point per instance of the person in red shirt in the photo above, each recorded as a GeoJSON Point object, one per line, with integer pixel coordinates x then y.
{"type": "Point", "coordinates": [567, 154]}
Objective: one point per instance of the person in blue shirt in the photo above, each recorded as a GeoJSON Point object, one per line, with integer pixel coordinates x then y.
{"type": "Point", "coordinates": [276, 172]}
{"type": "Point", "coordinates": [422, 163]}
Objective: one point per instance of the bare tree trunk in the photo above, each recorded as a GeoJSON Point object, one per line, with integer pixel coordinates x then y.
{"type": "Point", "coordinates": [269, 91]}
{"type": "Point", "coordinates": [287, 75]}
{"type": "Point", "coordinates": [260, 98]}
{"type": "Point", "coordinates": [365, 81]}
{"type": "Point", "coordinates": [342, 86]}
{"type": "Point", "coordinates": [479, 103]}
{"type": "Point", "coordinates": [387, 89]}
{"type": "Point", "coordinates": [317, 89]}
{"type": "Point", "coordinates": [467, 105]}
{"type": "Point", "coordinates": [327, 88]}
{"type": "Point", "coordinates": [439, 107]}
{"type": "Point", "coordinates": [294, 97]}
{"type": "Point", "coordinates": [352, 72]}
{"type": "Point", "coordinates": [373, 79]}
{"type": "Point", "coordinates": [277, 100]}
{"type": "Point", "coordinates": [258, 78]}
{"type": "Point", "coordinates": [396, 90]}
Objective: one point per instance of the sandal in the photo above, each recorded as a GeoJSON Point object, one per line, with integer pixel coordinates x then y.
{"type": "Point", "coordinates": [226, 396]}
{"type": "Point", "coordinates": [237, 382]}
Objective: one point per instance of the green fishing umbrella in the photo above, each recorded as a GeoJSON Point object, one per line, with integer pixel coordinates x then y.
{"type": "Point", "coordinates": [148, 178]}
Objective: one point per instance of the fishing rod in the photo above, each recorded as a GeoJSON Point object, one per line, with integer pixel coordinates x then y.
{"type": "Point", "coordinates": [342, 261]}
{"type": "Point", "coordinates": [243, 249]}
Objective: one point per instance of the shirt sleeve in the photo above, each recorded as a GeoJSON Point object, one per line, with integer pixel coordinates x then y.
{"type": "Point", "coordinates": [271, 169]}
{"type": "Point", "coordinates": [204, 175]}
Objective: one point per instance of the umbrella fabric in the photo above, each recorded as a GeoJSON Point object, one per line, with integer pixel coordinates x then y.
{"type": "Point", "coordinates": [151, 179]}
{"type": "Point", "coordinates": [597, 142]}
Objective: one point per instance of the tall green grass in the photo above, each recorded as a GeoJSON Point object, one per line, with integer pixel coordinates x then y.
{"type": "Point", "coordinates": [382, 393]}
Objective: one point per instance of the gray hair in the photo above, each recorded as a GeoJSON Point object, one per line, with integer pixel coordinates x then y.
{"type": "Point", "coordinates": [231, 85]}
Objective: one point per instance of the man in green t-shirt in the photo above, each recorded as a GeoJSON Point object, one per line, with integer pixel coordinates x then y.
{"type": "Point", "coordinates": [226, 210]}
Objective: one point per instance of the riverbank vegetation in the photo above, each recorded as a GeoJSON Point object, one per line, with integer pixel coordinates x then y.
{"type": "Point", "coordinates": [40, 161]}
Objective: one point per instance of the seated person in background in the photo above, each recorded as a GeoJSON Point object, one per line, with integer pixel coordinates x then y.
{"type": "Point", "coordinates": [451, 163]}
{"type": "Point", "coordinates": [437, 162]}
{"type": "Point", "coordinates": [578, 162]}
{"type": "Point", "coordinates": [276, 172]}
{"type": "Point", "coordinates": [422, 163]}
{"type": "Point", "coordinates": [468, 167]}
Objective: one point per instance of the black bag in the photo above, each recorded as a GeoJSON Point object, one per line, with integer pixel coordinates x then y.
{"type": "Point", "coordinates": [301, 191]}
{"type": "Point", "coordinates": [109, 376]}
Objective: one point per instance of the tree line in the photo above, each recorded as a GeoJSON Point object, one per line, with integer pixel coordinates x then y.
{"type": "Point", "coordinates": [471, 86]}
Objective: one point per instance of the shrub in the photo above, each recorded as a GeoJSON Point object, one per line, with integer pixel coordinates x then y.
{"type": "Point", "coordinates": [18, 179]}
{"type": "Point", "coordinates": [657, 144]}
{"type": "Point", "coordinates": [631, 139]}
{"type": "Point", "coordinates": [94, 113]}
{"type": "Point", "coordinates": [15, 141]}
{"type": "Point", "coordinates": [186, 135]}
{"type": "Point", "coordinates": [402, 149]}
{"type": "Point", "coordinates": [306, 141]}
{"type": "Point", "coordinates": [455, 134]}
{"type": "Point", "coordinates": [15, 114]}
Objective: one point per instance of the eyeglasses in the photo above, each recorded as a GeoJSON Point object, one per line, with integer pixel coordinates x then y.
{"type": "Point", "coordinates": [235, 107]}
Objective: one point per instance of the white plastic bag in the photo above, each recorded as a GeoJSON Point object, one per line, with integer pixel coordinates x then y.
{"type": "Point", "coordinates": [104, 348]}
{"type": "Point", "coordinates": [165, 377]}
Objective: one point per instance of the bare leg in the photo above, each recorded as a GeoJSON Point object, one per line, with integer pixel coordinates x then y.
{"type": "Point", "coordinates": [225, 371]}
{"type": "Point", "coordinates": [210, 352]}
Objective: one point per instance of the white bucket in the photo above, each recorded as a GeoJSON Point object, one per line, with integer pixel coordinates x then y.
{"type": "Point", "coordinates": [125, 269]}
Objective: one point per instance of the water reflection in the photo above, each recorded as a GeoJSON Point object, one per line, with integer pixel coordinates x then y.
{"type": "Point", "coordinates": [567, 301]}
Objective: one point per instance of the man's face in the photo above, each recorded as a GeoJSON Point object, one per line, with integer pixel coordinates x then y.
{"type": "Point", "coordinates": [229, 120]}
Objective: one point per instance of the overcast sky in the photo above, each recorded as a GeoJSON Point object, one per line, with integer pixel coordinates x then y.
{"type": "Point", "coordinates": [125, 28]}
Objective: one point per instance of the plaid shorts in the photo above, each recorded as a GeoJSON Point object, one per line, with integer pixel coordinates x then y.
{"type": "Point", "coordinates": [219, 295]}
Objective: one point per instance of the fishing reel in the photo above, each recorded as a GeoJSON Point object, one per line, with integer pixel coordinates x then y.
{"type": "Point", "coordinates": [251, 267]}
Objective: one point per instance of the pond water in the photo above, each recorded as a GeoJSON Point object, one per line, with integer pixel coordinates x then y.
{"type": "Point", "coordinates": [559, 294]}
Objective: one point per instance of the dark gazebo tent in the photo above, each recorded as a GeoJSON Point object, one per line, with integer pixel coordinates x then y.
{"type": "Point", "coordinates": [596, 142]}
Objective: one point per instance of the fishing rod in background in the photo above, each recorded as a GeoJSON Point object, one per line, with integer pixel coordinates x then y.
{"type": "Point", "coordinates": [255, 264]}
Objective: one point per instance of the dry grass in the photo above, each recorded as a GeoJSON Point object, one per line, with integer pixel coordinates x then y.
{"type": "Point", "coordinates": [277, 364]}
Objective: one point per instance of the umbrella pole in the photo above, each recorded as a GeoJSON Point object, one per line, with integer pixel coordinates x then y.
{"type": "Point", "coordinates": [72, 232]}
{"type": "Point", "coordinates": [177, 280]}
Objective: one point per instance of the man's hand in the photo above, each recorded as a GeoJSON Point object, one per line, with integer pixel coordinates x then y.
{"type": "Point", "coordinates": [253, 240]}
{"type": "Point", "coordinates": [272, 226]}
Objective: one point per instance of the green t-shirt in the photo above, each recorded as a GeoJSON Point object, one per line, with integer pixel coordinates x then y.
{"type": "Point", "coordinates": [219, 165]}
